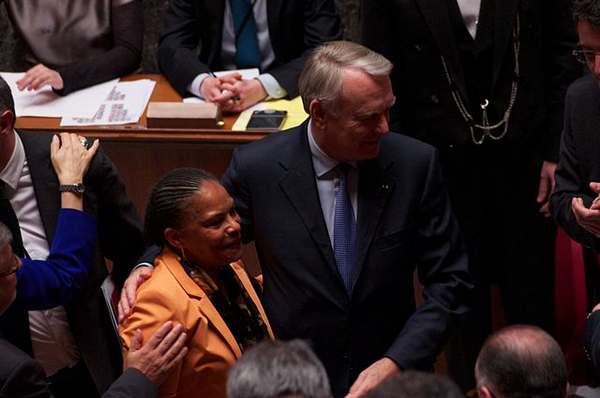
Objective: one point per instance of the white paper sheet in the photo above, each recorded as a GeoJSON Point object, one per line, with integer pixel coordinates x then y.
{"type": "Point", "coordinates": [124, 104]}
{"type": "Point", "coordinates": [45, 103]}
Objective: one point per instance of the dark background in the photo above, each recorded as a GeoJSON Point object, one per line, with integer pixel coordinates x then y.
{"type": "Point", "coordinates": [11, 50]}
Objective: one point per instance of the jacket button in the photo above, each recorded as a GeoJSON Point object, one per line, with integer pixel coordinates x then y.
{"type": "Point", "coordinates": [434, 98]}
{"type": "Point", "coordinates": [418, 48]}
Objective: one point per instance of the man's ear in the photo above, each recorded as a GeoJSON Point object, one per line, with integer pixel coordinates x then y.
{"type": "Point", "coordinates": [7, 121]}
{"type": "Point", "coordinates": [317, 113]}
{"type": "Point", "coordinates": [484, 392]}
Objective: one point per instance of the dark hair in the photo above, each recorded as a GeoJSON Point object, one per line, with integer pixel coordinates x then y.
{"type": "Point", "coordinates": [522, 361]}
{"type": "Point", "coordinates": [6, 99]}
{"type": "Point", "coordinates": [168, 201]}
{"type": "Point", "coordinates": [276, 369]}
{"type": "Point", "coordinates": [413, 384]}
{"type": "Point", "coordinates": [587, 10]}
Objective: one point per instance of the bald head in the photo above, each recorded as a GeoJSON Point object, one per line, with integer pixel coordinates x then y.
{"type": "Point", "coordinates": [521, 361]}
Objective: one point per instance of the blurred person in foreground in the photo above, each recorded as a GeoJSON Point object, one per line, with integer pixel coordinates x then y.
{"type": "Point", "coordinates": [413, 384]}
{"type": "Point", "coordinates": [198, 282]}
{"type": "Point", "coordinates": [277, 369]}
{"type": "Point", "coordinates": [521, 361]}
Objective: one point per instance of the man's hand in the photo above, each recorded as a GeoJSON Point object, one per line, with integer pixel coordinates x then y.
{"type": "Point", "coordinates": [164, 350]}
{"type": "Point", "coordinates": [249, 92]}
{"type": "Point", "coordinates": [588, 219]}
{"type": "Point", "coordinates": [372, 376]}
{"type": "Point", "coordinates": [129, 291]}
{"type": "Point", "coordinates": [546, 187]}
{"type": "Point", "coordinates": [212, 91]}
{"type": "Point", "coordinates": [38, 76]}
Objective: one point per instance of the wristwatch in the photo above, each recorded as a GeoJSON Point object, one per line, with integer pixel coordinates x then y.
{"type": "Point", "coordinates": [75, 188]}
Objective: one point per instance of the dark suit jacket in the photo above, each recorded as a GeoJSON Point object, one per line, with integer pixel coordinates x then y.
{"type": "Point", "coordinates": [295, 27]}
{"type": "Point", "coordinates": [119, 239]}
{"type": "Point", "coordinates": [21, 376]}
{"type": "Point", "coordinates": [414, 34]}
{"type": "Point", "coordinates": [404, 222]}
{"type": "Point", "coordinates": [591, 340]}
{"type": "Point", "coordinates": [579, 162]}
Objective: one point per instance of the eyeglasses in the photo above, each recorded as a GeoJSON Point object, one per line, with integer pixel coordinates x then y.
{"type": "Point", "coordinates": [585, 56]}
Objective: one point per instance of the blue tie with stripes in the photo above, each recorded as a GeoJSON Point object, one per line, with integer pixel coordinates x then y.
{"type": "Point", "coordinates": [247, 52]}
{"type": "Point", "coordinates": [344, 228]}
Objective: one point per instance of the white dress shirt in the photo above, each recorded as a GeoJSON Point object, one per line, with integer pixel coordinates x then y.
{"type": "Point", "coordinates": [328, 182]}
{"type": "Point", "coordinates": [470, 12]}
{"type": "Point", "coordinates": [53, 343]}
{"type": "Point", "coordinates": [269, 83]}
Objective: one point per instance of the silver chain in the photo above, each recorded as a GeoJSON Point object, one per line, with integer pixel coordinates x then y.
{"type": "Point", "coordinates": [485, 127]}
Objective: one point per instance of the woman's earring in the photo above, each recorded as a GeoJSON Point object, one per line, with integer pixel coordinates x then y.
{"type": "Point", "coordinates": [182, 254]}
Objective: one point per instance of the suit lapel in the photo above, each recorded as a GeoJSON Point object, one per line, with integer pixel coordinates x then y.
{"type": "Point", "coordinates": [374, 190]}
{"type": "Point", "coordinates": [204, 303]}
{"type": "Point", "coordinates": [436, 15]}
{"type": "Point", "coordinates": [299, 186]}
{"type": "Point", "coordinates": [504, 20]}
{"type": "Point", "coordinates": [45, 183]}
{"type": "Point", "coordinates": [273, 12]}
{"type": "Point", "coordinates": [216, 17]}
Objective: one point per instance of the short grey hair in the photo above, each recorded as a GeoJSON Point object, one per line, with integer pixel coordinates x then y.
{"type": "Point", "coordinates": [321, 78]}
{"type": "Point", "coordinates": [5, 235]}
{"type": "Point", "coordinates": [276, 369]}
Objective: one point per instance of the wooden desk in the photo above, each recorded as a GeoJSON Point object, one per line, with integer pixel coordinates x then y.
{"type": "Point", "coordinates": [143, 155]}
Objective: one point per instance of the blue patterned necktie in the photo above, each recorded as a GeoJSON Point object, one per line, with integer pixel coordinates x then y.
{"type": "Point", "coordinates": [247, 53]}
{"type": "Point", "coordinates": [344, 228]}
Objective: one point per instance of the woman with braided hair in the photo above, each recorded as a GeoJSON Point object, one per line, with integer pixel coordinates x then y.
{"type": "Point", "coordinates": [197, 281]}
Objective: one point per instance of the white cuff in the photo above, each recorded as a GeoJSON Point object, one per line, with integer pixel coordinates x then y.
{"type": "Point", "coordinates": [271, 86]}
{"type": "Point", "coordinates": [195, 85]}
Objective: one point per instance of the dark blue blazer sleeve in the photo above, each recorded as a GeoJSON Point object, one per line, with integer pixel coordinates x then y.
{"type": "Point", "coordinates": [58, 279]}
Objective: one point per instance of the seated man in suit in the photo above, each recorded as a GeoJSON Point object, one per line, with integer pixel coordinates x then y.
{"type": "Point", "coordinates": [76, 345]}
{"type": "Point", "coordinates": [274, 36]}
{"type": "Point", "coordinates": [342, 214]}
{"type": "Point", "coordinates": [521, 361]}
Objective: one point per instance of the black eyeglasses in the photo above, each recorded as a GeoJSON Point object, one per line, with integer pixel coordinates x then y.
{"type": "Point", "coordinates": [585, 56]}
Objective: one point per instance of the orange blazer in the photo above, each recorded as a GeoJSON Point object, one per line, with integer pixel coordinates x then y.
{"type": "Point", "coordinates": [170, 294]}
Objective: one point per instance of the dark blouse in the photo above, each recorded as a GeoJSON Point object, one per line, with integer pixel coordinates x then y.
{"type": "Point", "coordinates": [87, 42]}
{"type": "Point", "coordinates": [233, 304]}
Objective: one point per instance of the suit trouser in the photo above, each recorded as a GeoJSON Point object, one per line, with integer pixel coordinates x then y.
{"type": "Point", "coordinates": [511, 245]}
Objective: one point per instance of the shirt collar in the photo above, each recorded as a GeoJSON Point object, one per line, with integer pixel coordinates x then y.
{"type": "Point", "coordinates": [322, 163]}
{"type": "Point", "coordinates": [13, 169]}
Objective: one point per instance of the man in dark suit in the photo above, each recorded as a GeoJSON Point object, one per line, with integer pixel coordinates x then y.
{"type": "Point", "coordinates": [574, 203]}
{"type": "Point", "coordinates": [274, 36]}
{"type": "Point", "coordinates": [88, 344]}
{"type": "Point", "coordinates": [484, 81]}
{"type": "Point", "coordinates": [341, 214]}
